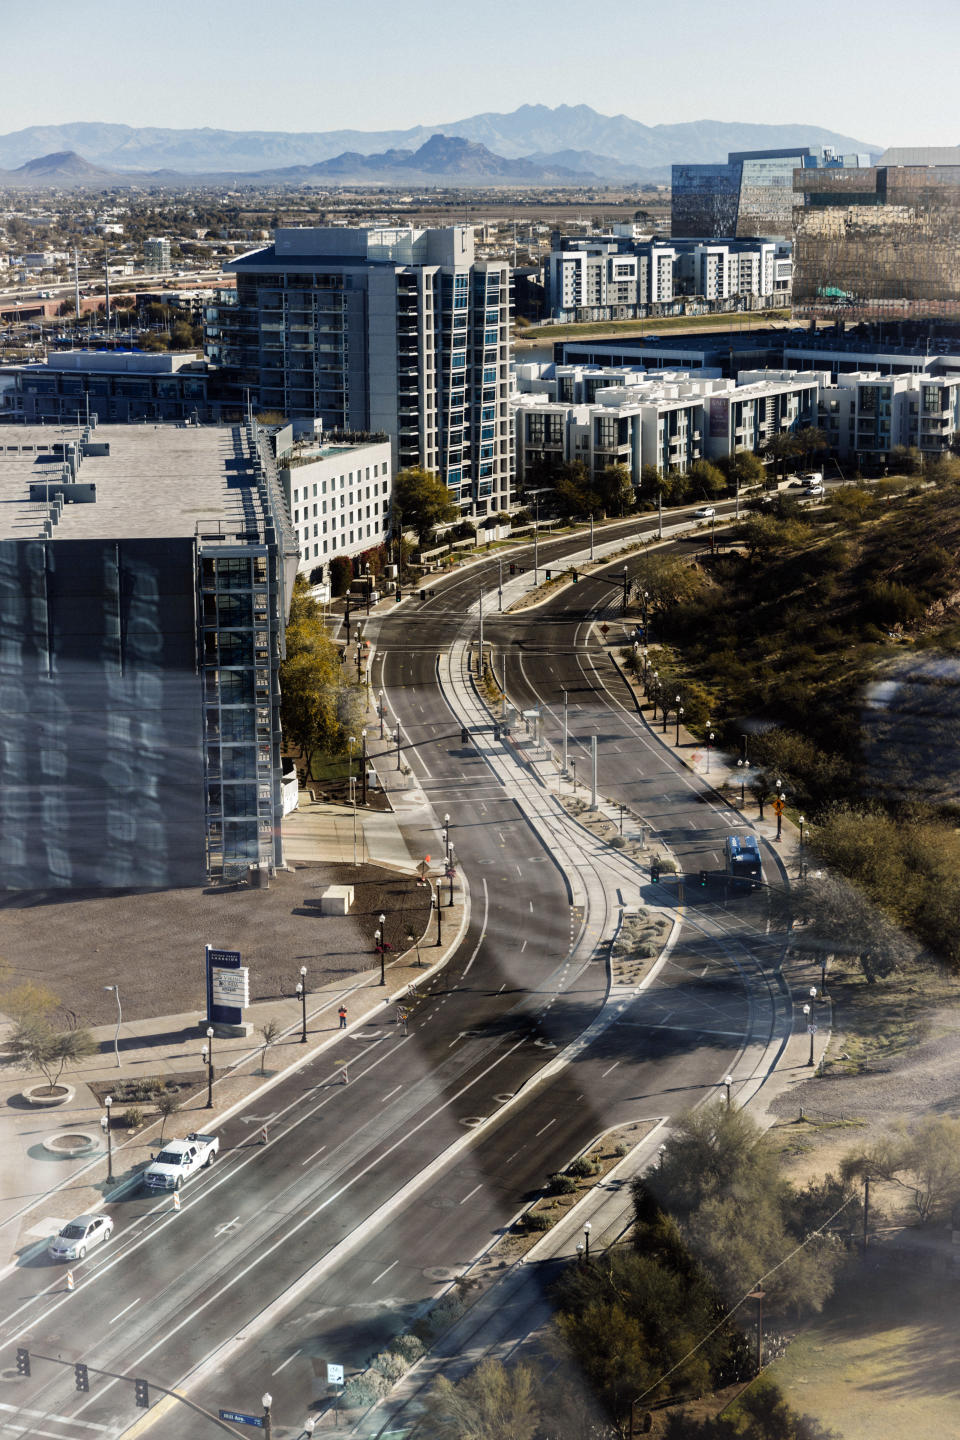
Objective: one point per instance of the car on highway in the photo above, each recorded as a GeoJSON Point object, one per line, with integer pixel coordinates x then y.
{"type": "Point", "coordinates": [704, 512]}
{"type": "Point", "coordinates": [179, 1159]}
{"type": "Point", "coordinates": [75, 1239]}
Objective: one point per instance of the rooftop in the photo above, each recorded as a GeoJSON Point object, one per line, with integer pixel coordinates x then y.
{"type": "Point", "coordinates": [153, 482]}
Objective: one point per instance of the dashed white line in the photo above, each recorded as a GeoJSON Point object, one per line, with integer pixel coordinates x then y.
{"type": "Point", "coordinates": [523, 947]}
{"type": "Point", "coordinates": [285, 1364]}
{"type": "Point", "coordinates": [392, 1092]}
{"type": "Point", "coordinates": [314, 1155]}
{"type": "Point", "coordinates": [472, 1192]}
{"type": "Point", "coordinates": [384, 1272]}
{"type": "Point", "coordinates": [546, 1127]}
{"type": "Point", "coordinates": [612, 1067]}
{"type": "Point", "coordinates": [124, 1310]}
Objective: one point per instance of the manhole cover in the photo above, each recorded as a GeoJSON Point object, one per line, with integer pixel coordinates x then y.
{"type": "Point", "coordinates": [471, 1120]}
{"type": "Point", "coordinates": [443, 1202]}
{"type": "Point", "coordinates": [503, 1097]}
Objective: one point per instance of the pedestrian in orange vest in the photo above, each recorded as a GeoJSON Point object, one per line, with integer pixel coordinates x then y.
{"type": "Point", "coordinates": [343, 1017]}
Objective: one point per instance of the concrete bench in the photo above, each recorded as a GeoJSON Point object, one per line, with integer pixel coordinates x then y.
{"type": "Point", "coordinates": [336, 900]}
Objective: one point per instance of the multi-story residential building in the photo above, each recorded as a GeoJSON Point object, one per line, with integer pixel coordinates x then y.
{"type": "Point", "coordinates": [883, 239]}
{"type": "Point", "coordinates": [751, 195]}
{"type": "Point", "coordinates": [606, 417]}
{"type": "Point", "coordinates": [614, 277]}
{"type": "Point", "coordinates": [147, 572]}
{"type": "Point", "coordinates": [867, 415]}
{"type": "Point", "coordinates": [156, 255]}
{"type": "Point", "coordinates": [399, 330]}
{"type": "Point", "coordinates": [73, 386]}
{"type": "Point", "coordinates": [338, 496]}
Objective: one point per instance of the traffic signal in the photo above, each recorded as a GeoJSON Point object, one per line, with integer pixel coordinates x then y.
{"type": "Point", "coordinates": [574, 576]}
{"type": "Point", "coordinates": [496, 732]}
{"type": "Point", "coordinates": [141, 1394]}
{"type": "Point", "coordinates": [464, 735]}
{"type": "Point", "coordinates": [80, 1377]}
{"type": "Point", "coordinates": [703, 877]}
{"type": "Point", "coordinates": [23, 1362]}
{"type": "Point", "coordinates": [654, 870]}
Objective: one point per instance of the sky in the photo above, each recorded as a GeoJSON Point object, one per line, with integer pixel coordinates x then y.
{"type": "Point", "coordinates": [879, 71]}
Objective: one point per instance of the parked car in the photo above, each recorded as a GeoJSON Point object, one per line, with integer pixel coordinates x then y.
{"type": "Point", "coordinates": [79, 1236]}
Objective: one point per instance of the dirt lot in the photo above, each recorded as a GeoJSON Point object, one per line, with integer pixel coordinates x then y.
{"type": "Point", "coordinates": [880, 1363]}
{"type": "Point", "coordinates": [151, 943]}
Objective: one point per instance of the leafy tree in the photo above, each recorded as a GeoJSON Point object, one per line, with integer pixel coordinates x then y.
{"type": "Point", "coordinates": [715, 1151]}
{"type": "Point", "coordinates": [742, 468]}
{"type": "Point", "coordinates": [313, 708]}
{"type": "Point", "coordinates": [491, 1403]}
{"type": "Point", "coordinates": [36, 1044]}
{"type": "Point", "coordinates": [615, 488]}
{"type": "Point", "coordinates": [576, 493]}
{"type": "Point", "coordinates": [341, 575]}
{"type": "Point", "coordinates": [835, 917]}
{"type": "Point", "coordinates": [651, 482]}
{"type": "Point", "coordinates": [421, 501]}
{"type": "Point", "coordinates": [168, 1103]}
{"type": "Point", "coordinates": [924, 1160]}
{"type": "Point", "coordinates": [705, 481]}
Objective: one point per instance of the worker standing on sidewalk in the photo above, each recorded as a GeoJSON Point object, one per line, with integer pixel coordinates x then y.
{"type": "Point", "coordinates": [343, 1017]}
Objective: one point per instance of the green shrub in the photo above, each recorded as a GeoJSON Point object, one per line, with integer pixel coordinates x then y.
{"type": "Point", "coordinates": [621, 1150]}
{"type": "Point", "coordinates": [536, 1220]}
{"type": "Point", "coordinates": [388, 1364]}
{"type": "Point", "coordinates": [581, 1168]}
{"type": "Point", "coordinates": [133, 1117]}
{"type": "Point", "coordinates": [363, 1390]}
{"type": "Point", "coordinates": [408, 1347]}
{"type": "Point", "coordinates": [562, 1185]}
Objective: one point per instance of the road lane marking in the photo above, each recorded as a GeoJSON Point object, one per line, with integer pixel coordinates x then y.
{"type": "Point", "coordinates": [314, 1155]}
{"type": "Point", "coordinates": [523, 947]}
{"type": "Point", "coordinates": [384, 1272]}
{"type": "Point", "coordinates": [392, 1092]}
{"type": "Point", "coordinates": [124, 1310]}
{"type": "Point", "coordinates": [285, 1364]}
{"type": "Point", "coordinates": [612, 1067]}
{"type": "Point", "coordinates": [472, 1192]}
{"type": "Point", "coordinates": [55, 1419]}
{"type": "Point", "coordinates": [546, 1127]}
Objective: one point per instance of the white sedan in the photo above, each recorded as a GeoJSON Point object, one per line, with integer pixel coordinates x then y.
{"type": "Point", "coordinates": [79, 1236]}
{"type": "Point", "coordinates": [704, 512]}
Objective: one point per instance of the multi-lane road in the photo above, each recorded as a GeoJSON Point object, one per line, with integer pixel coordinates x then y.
{"type": "Point", "coordinates": [319, 1245]}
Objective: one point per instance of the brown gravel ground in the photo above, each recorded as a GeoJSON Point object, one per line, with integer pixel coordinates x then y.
{"type": "Point", "coordinates": [151, 943]}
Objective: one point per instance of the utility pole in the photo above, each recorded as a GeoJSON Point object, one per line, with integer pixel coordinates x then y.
{"type": "Point", "coordinates": [564, 731]}
{"type": "Point", "coordinates": [593, 761]}
{"type": "Point", "coordinates": [591, 534]}
{"type": "Point", "coordinates": [480, 667]}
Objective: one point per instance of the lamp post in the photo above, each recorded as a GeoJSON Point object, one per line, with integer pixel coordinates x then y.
{"type": "Point", "coordinates": [591, 534]}
{"type": "Point", "coordinates": [802, 821]}
{"type": "Point", "coordinates": [781, 796]}
{"type": "Point", "coordinates": [536, 536]}
{"type": "Point", "coordinates": [655, 691]}
{"type": "Point", "coordinates": [380, 707]}
{"type": "Point", "coordinates": [586, 1241]}
{"type": "Point", "coordinates": [397, 738]}
{"type": "Point", "coordinates": [116, 1037]}
{"type": "Point", "coordinates": [353, 802]}
{"type": "Point", "coordinates": [626, 589]}
{"type": "Point", "coordinates": [363, 782]}
{"type": "Point", "coordinates": [743, 766]}
{"type": "Point", "coordinates": [267, 1401]}
{"type": "Point", "coordinates": [709, 748]}
{"type": "Point", "coordinates": [435, 900]}
{"type": "Point", "coordinates": [207, 1055]}
{"type": "Point", "coordinates": [108, 1131]}
{"type": "Point", "coordinates": [811, 1030]}
{"type": "Point", "coordinates": [728, 1081]}
{"type": "Point", "coordinates": [500, 583]}
{"type": "Point", "coordinates": [302, 992]}
{"type": "Point", "coordinates": [351, 741]}
{"type": "Point", "coordinates": [564, 766]}
{"type": "Point", "coordinates": [679, 719]}
{"type": "Point", "coordinates": [382, 938]}
{"type": "Point", "coordinates": [378, 950]}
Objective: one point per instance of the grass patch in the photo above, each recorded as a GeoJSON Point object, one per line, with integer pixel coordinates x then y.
{"type": "Point", "coordinates": [875, 1023]}
{"type": "Point", "coordinates": [880, 1361]}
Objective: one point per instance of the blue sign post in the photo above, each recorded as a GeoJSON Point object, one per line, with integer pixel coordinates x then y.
{"type": "Point", "coordinates": [218, 1013]}
{"type": "Point", "coordinates": [239, 1419]}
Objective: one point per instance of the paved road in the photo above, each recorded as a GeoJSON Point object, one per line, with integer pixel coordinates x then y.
{"type": "Point", "coordinates": [344, 1182]}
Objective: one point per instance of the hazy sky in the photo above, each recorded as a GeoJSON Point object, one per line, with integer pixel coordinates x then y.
{"type": "Point", "coordinates": [881, 71]}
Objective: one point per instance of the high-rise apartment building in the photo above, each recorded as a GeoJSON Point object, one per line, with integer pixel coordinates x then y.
{"type": "Point", "coordinates": [156, 255]}
{"type": "Point", "coordinates": [146, 576]}
{"type": "Point", "coordinates": [394, 330]}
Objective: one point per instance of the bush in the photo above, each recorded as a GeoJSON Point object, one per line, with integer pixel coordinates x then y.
{"type": "Point", "coordinates": [408, 1347]}
{"type": "Point", "coordinates": [536, 1220]}
{"type": "Point", "coordinates": [562, 1185]}
{"type": "Point", "coordinates": [389, 1365]}
{"type": "Point", "coordinates": [363, 1390]}
{"type": "Point", "coordinates": [582, 1168]}
{"type": "Point", "coordinates": [133, 1117]}
{"type": "Point", "coordinates": [341, 575]}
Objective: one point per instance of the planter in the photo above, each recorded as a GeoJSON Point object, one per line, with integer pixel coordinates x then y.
{"type": "Point", "coordinates": [71, 1143]}
{"type": "Point", "coordinates": [46, 1095]}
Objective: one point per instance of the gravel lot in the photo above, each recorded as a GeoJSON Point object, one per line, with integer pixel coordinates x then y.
{"type": "Point", "coordinates": [151, 943]}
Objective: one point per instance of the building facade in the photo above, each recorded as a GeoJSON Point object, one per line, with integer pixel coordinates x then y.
{"type": "Point", "coordinates": [868, 415]}
{"type": "Point", "coordinates": [146, 581]}
{"type": "Point", "coordinates": [880, 240]}
{"type": "Point", "coordinates": [751, 195]}
{"type": "Point", "coordinates": [338, 497]}
{"type": "Point", "coordinates": [399, 330]}
{"type": "Point", "coordinates": [113, 386]}
{"type": "Point", "coordinates": [156, 255]}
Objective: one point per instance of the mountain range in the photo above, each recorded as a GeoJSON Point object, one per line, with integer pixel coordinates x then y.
{"type": "Point", "coordinates": [571, 138]}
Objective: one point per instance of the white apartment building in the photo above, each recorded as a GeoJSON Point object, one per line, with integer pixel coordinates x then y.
{"type": "Point", "coordinates": [338, 496]}
{"type": "Point", "coordinates": [156, 255]}
{"type": "Point", "coordinates": [607, 416]}
{"type": "Point", "coordinates": [868, 413]}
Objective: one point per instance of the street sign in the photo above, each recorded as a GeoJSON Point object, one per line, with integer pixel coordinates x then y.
{"type": "Point", "coordinates": [811, 1029]}
{"type": "Point", "coordinates": [334, 1374]}
{"type": "Point", "coordinates": [778, 806]}
{"type": "Point", "coordinates": [604, 628]}
{"type": "Point", "coordinates": [238, 1419]}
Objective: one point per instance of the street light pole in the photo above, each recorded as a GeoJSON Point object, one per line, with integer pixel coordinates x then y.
{"type": "Point", "coordinates": [363, 783]}
{"type": "Point", "coordinates": [116, 1037]}
{"type": "Point", "coordinates": [500, 583]}
{"type": "Point", "coordinates": [591, 534]}
{"type": "Point", "coordinates": [267, 1422]}
{"type": "Point", "coordinates": [397, 738]}
{"type": "Point", "coordinates": [626, 588]}
{"type": "Point", "coordinates": [436, 901]}
{"type": "Point", "coordinates": [381, 714]}
{"type": "Point", "coordinates": [812, 1030]}
{"type": "Point", "coordinates": [586, 1240]}
{"type": "Point", "coordinates": [480, 666]}
{"type": "Point", "coordinates": [382, 937]}
{"type": "Point", "coordinates": [709, 748]}
{"type": "Point", "coordinates": [564, 730]}
{"type": "Point", "coordinates": [728, 1081]}
{"type": "Point", "coordinates": [679, 718]}
{"type": "Point", "coordinates": [207, 1053]}
{"type": "Point", "coordinates": [302, 992]}
{"type": "Point", "coordinates": [108, 1101]}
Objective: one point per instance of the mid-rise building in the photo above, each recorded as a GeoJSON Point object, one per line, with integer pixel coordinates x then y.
{"type": "Point", "coordinates": [395, 330]}
{"type": "Point", "coordinates": [881, 240]}
{"type": "Point", "coordinates": [156, 255]}
{"type": "Point", "coordinates": [868, 415]}
{"type": "Point", "coordinates": [608, 417]}
{"type": "Point", "coordinates": [752, 194]}
{"type": "Point", "coordinates": [146, 576]}
{"type": "Point", "coordinates": [338, 495]}
{"type": "Point", "coordinates": [79, 386]}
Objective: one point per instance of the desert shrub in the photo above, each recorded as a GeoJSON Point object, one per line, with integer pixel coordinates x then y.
{"type": "Point", "coordinates": [363, 1390]}
{"type": "Point", "coordinates": [408, 1347]}
{"type": "Point", "coordinates": [562, 1185]}
{"type": "Point", "coordinates": [389, 1365]}
{"type": "Point", "coordinates": [536, 1220]}
{"type": "Point", "coordinates": [133, 1117]}
{"type": "Point", "coordinates": [582, 1168]}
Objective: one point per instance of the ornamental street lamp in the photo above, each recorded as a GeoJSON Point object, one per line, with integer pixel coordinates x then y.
{"type": "Point", "coordinates": [108, 1131]}
{"type": "Point", "coordinates": [679, 719]}
{"type": "Point", "coordinates": [743, 766]}
{"type": "Point", "coordinates": [380, 707]}
{"type": "Point", "coordinates": [363, 782]}
{"type": "Point", "coordinates": [302, 992]}
{"type": "Point", "coordinates": [116, 1037]}
{"type": "Point", "coordinates": [267, 1401]}
{"type": "Point", "coordinates": [812, 1030]}
{"type": "Point", "coordinates": [802, 822]}
{"type": "Point", "coordinates": [586, 1241]}
{"type": "Point", "coordinates": [728, 1081]}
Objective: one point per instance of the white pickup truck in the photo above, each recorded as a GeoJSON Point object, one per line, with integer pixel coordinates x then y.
{"type": "Point", "coordinates": [179, 1159]}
